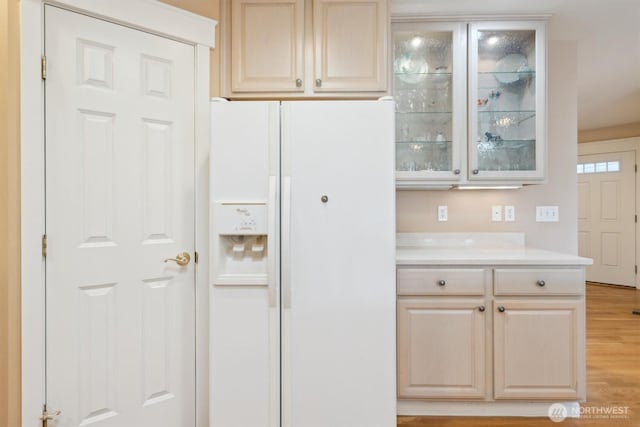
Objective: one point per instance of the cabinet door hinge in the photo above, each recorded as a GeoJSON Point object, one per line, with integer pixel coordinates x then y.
{"type": "Point", "coordinates": [636, 269]}
{"type": "Point", "coordinates": [636, 168]}
{"type": "Point", "coordinates": [46, 415]}
{"type": "Point", "coordinates": [43, 67]}
{"type": "Point", "coordinates": [195, 257]}
{"type": "Point", "coordinates": [44, 245]}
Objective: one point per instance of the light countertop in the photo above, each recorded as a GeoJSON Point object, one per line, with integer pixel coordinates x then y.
{"type": "Point", "coordinates": [476, 249]}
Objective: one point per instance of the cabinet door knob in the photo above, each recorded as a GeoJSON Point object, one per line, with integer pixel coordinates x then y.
{"type": "Point", "coordinates": [475, 171]}
{"type": "Point", "coordinates": [324, 199]}
{"type": "Point", "coordinates": [481, 309]}
{"type": "Point", "coordinates": [298, 82]}
{"type": "Point", "coordinates": [501, 309]}
{"type": "Point", "coordinates": [441, 282]}
{"type": "Point", "coordinates": [541, 283]}
{"type": "Point", "coordinates": [456, 172]}
{"type": "Point", "coordinates": [318, 82]}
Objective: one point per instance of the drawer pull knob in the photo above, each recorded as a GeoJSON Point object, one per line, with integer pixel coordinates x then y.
{"type": "Point", "coordinates": [481, 309]}
{"type": "Point", "coordinates": [441, 282]}
{"type": "Point", "coordinates": [501, 309]}
{"type": "Point", "coordinates": [541, 283]}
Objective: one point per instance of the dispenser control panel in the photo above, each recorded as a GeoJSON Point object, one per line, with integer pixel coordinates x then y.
{"type": "Point", "coordinates": [242, 219]}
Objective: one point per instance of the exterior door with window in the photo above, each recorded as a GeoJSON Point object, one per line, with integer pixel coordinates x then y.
{"type": "Point", "coordinates": [606, 216]}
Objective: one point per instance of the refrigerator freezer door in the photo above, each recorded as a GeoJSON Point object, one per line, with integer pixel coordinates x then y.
{"type": "Point", "coordinates": [244, 297]}
{"type": "Point", "coordinates": [339, 328]}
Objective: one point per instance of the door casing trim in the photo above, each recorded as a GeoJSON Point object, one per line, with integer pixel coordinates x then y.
{"type": "Point", "coordinates": [146, 15]}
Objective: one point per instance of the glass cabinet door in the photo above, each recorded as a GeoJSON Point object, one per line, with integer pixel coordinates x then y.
{"type": "Point", "coordinates": [506, 101]}
{"type": "Point", "coordinates": [429, 88]}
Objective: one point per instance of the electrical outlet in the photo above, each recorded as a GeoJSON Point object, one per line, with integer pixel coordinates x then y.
{"type": "Point", "coordinates": [443, 214]}
{"type": "Point", "coordinates": [509, 213]}
{"type": "Point", "coordinates": [547, 214]}
{"type": "Point", "coordinates": [496, 213]}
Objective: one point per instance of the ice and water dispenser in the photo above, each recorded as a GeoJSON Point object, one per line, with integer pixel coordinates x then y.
{"type": "Point", "coordinates": [241, 249]}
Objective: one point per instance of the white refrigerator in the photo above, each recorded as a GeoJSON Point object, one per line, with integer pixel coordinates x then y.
{"type": "Point", "coordinates": [303, 264]}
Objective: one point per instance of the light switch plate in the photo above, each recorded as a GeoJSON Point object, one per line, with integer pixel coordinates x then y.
{"type": "Point", "coordinates": [496, 213]}
{"type": "Point", "coordinates": [509, 213]}
{"type": "Point", "coordinates": [547, 214]}
{"type": "Point", "coordinates": [443, 214]}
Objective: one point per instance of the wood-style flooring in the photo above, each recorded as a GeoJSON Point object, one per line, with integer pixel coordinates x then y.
{"type": "Point", "coordinates": [613, 366]}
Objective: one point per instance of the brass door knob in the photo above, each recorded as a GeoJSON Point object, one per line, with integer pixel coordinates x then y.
{"type": "Point", "coordinates": [181, 259]}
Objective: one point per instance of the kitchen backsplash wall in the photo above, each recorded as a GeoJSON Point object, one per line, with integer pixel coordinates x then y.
{"type": "Point", "coordinates": [470, 210]}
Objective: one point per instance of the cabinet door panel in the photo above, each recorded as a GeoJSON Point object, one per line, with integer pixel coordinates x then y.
{"type": "Point", "coordinates": [430, 90]}
{"type": "Point", "coordinates": [441, 348]}
{"type": "Point", "coordinates": [350, 45]}
{"type": "Point", "coordinates": [267, 39]}
{"type": "Point", "coordinates": [507, 112]}
{"type": "Point", "coordinates": [539, 349]}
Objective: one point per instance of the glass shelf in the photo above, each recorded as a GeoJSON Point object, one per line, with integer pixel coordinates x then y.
{"type": "Point", "coordinates": [431, 141]}
{"type": "Point", "coordinates": [508, 73]}
{"type": "Point", "coordinates": [506, 111]}
{"type": "Point", "coordinates": [445, 74]}
{"type": "Point", "coordinates": [403, 113]}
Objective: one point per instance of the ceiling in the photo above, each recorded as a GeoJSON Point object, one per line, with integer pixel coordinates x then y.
{"type": "Point", "coordinates": [608, 36]}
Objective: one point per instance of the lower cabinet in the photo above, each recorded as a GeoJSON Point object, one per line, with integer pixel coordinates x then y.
{"type": "Point", "coordinates": [441, 347]}
{"type": "Point", "coordinates": [537, 348]}
{"type": "Point", "coordinates": [521, 339]}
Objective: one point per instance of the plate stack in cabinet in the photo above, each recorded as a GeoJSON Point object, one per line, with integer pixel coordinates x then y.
{"type": "Point", "coordinates": [470, 102]}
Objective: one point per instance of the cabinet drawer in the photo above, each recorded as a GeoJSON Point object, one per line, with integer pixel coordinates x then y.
{"type": "Point", "coordinates": [538, 281]}
{"type": "Point", "coordinates": [441, 281]}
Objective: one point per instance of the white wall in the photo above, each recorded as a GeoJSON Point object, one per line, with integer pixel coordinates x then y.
{"type": "Point", "coordinates": [470, 210]}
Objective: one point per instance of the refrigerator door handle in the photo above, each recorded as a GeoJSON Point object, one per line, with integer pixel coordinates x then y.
{"type": "Point", "coordinates": [272, 258]}
{"type": "Point", "coordinates": [285, 249]}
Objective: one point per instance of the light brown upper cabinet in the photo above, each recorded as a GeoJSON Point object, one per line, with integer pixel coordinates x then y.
{"type": "Point", "coordinates": [305, 48]}
{"type": "Point", "coordinates": [470, 102]}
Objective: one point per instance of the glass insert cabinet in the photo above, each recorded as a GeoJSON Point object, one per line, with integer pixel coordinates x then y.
{"type": "Point", "coordinates": [470, 102]}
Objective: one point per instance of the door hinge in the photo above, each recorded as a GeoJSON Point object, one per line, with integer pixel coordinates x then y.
{"type": "Point", "coordinates": [636, 269]}
{"type": "Point", "coordinates": [46, 415]}
{"type": "Point", "coordinates": [636, 168]}
{"type": "Point", "coordinates": [195, 257]}
{"type": "Point", "coordinates": [44, 245]}
{"type": "Point", "coordinates": [636, 218]}
{"type": "Point", "coordinates": [43, 67]}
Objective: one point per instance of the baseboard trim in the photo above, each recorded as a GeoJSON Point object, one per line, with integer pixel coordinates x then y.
{"type": "Point", "coordinates": [482, 409]}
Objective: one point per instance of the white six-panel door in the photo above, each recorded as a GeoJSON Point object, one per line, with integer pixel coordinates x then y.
{"type": "Point", "coordinates": [606, 218]}
{"type": "Point", "coordinates": [119, 200]}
